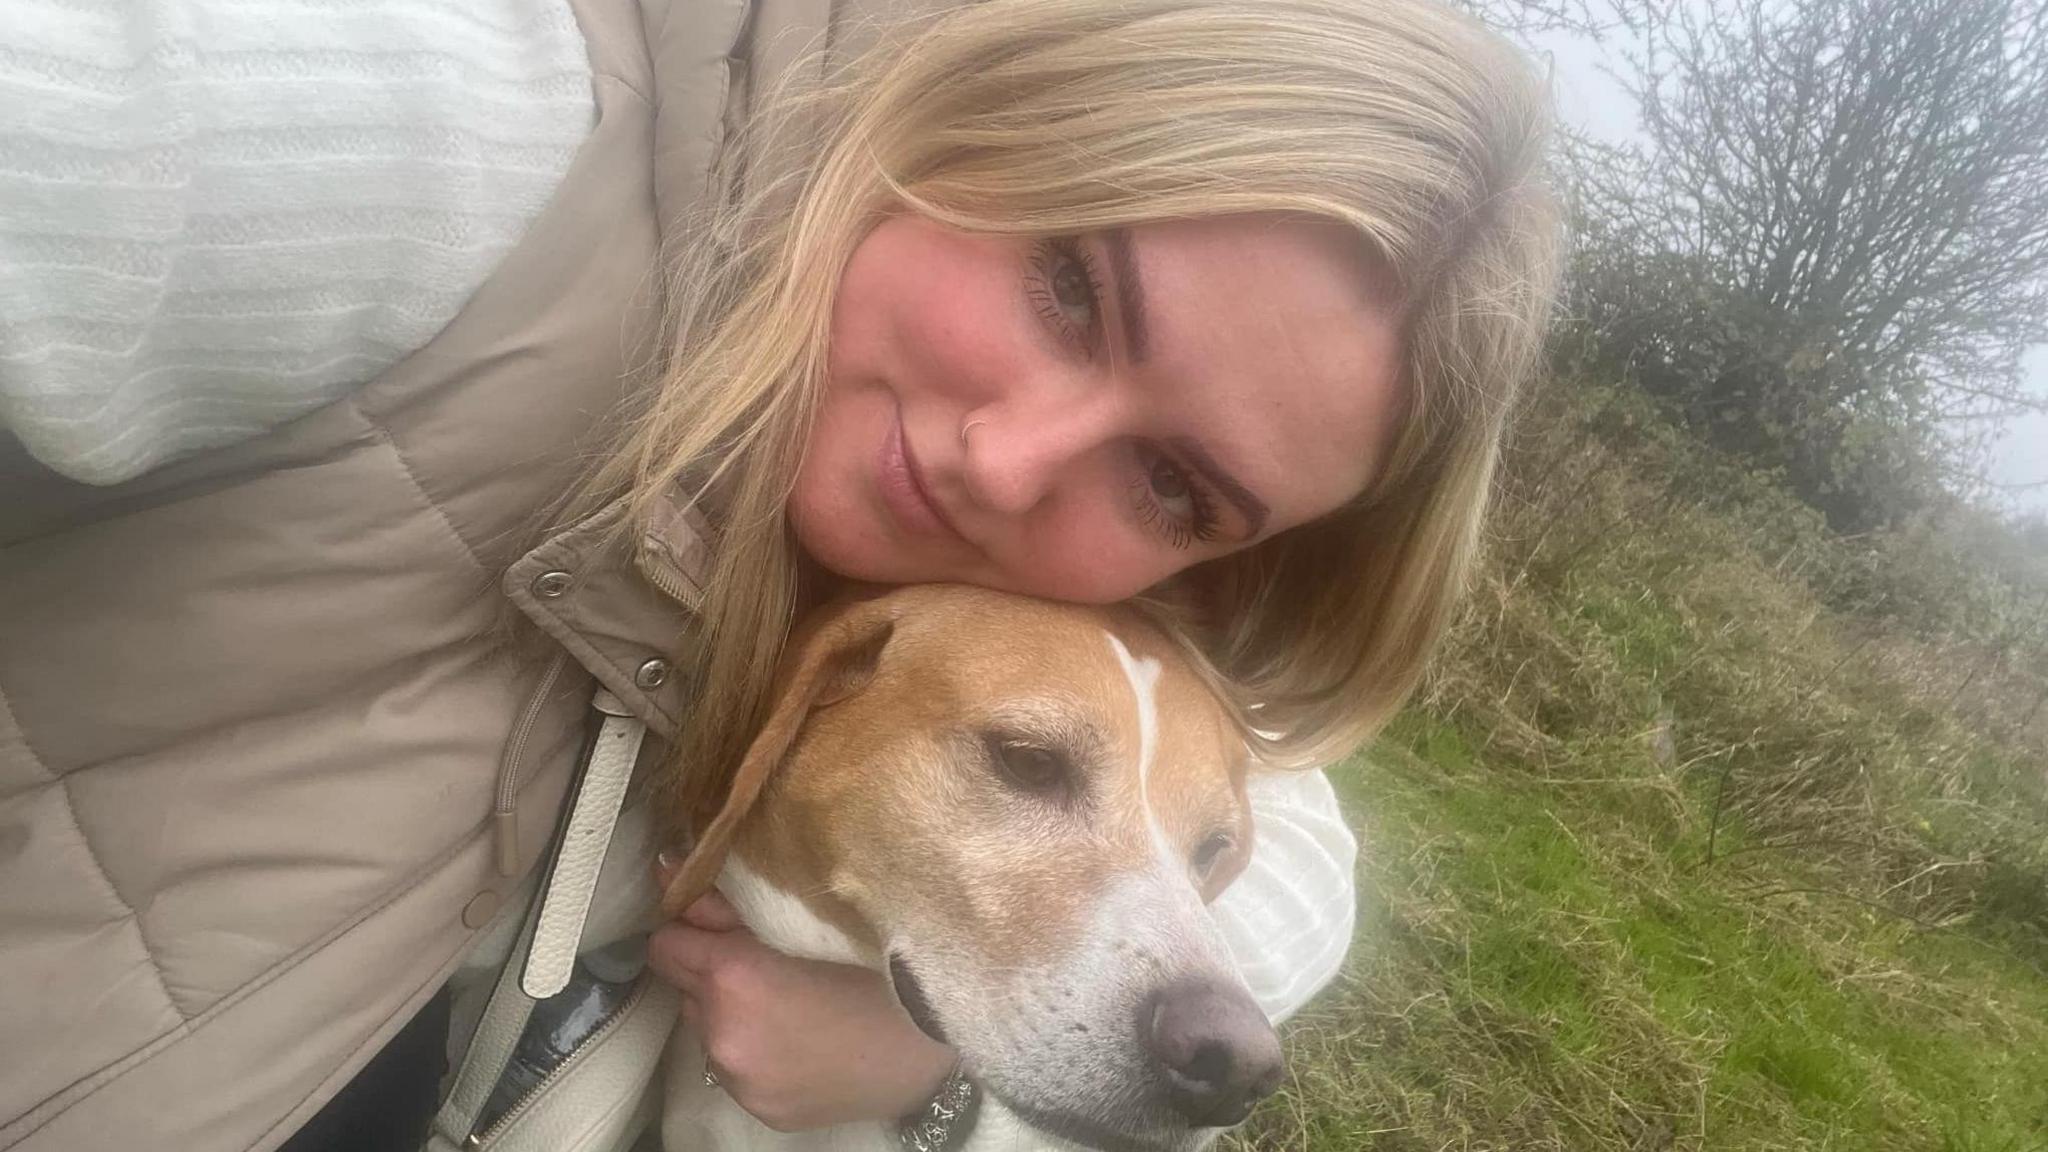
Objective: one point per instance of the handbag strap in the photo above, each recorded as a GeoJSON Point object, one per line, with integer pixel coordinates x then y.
{"type": "Point", "coordinates": [544, 956]}
{"type": "Point", "coordinates": [579, 854]}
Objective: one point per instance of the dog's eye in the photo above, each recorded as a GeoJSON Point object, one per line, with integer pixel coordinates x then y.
{"type": "Point", "coordinates": [1028, 766]}
{"type": "Point", "coordinates": [1209, 851]}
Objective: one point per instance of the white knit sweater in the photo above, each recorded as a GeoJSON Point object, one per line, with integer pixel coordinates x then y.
{"type": "Point", "coordinates": [216, 215]}
{"type": "Point", "coordinates": [1288, 919]}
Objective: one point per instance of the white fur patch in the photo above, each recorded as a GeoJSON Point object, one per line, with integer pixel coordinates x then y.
{"type": "Point", "coordinates": [1143, 674]}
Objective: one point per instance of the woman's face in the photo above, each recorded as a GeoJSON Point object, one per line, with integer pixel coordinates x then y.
{"type": "Point", "coordinates": [1134, 402]}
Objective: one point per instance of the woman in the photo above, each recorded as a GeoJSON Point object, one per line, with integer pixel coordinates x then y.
{"type": "Point", "coordinates": [1219, 302]}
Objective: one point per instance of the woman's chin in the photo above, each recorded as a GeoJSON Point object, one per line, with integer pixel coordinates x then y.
{"type": "Point", "coordinates": [855, 550]}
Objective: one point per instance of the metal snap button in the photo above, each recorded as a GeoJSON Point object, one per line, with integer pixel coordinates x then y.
{"type": "Point", "coordinates": [652, 674]}
{"type": "Point", "coordinates": [549, 585]}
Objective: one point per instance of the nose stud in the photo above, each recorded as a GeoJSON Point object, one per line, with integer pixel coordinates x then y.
{"type": "Point", "coordinates": [970, 426]}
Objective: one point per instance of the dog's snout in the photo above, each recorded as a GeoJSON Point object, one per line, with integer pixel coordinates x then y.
{"type": "Point", "coordinates": [1214, 1048]}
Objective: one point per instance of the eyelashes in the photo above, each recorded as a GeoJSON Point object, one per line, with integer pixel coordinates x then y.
{"type": "Point", "coordinates": [1179, 527]}
{"type": "Point", "coordinates": [1066, 292]}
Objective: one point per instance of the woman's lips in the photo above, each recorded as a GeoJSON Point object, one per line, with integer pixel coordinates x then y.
{"type": "Point", "coordinates": [904, 491]}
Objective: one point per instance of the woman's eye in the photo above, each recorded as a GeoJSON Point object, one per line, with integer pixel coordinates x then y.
{"type": "Point", "coordinates": [1171, 488]}
{"type": "Point", "coordinates": [1169, 502]}
{"type": "Point", "coordinates": [1063, 289]}
{"type": "Point", "coordinates": [1071, 288]}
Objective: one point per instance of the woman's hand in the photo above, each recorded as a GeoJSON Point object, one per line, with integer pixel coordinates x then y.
{"type": "Point", "coordinates": [799, 1043]}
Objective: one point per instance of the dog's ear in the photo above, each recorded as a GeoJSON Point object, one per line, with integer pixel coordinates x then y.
{"type": "Point", "coordinates": [835, 664]}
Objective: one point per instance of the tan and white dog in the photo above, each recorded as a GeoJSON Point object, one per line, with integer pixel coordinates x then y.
{"type": "Point", "coordinates": [1018, 811]}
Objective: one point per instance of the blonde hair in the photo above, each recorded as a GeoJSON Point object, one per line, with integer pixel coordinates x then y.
{"type": "Point", "coordinates": [1399, 119]}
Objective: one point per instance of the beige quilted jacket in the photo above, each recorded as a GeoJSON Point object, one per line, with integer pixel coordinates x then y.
{"type": "Point", "coordinates": [266, 764]}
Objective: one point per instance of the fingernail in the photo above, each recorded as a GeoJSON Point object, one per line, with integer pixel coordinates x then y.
{"type": "Point", "coordinates": [666, 860]}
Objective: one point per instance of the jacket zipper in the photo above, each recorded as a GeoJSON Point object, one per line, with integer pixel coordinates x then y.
{"type": "Point", "coordinates": [658, 575]}
{"type": "Point", "coordinates": [505, 811]}
{"type": "Point", "coordinates": [590, 1043]}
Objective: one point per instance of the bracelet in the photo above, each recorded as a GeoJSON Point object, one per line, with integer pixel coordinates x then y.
{"type": "Point", "coordinates": [942, 1124]}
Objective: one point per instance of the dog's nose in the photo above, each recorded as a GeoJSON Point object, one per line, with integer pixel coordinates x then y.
{"type": "Point", "coordinates": [1215, 1049]}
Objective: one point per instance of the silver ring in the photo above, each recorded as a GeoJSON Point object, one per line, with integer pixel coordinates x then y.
{"type": "Point", "coordinates": [710, 1077]}
{"type": "Point", "coordinates": [970, 426]}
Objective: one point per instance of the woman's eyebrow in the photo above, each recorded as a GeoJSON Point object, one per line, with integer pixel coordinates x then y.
{"type": "Point", "coordinates": [1253, 509]}
{"type": "Point", "coordinates": [1130, 291]}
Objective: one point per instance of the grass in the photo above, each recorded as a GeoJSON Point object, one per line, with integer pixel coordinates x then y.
{"type": "Point", "coordinates": [1672, 855]}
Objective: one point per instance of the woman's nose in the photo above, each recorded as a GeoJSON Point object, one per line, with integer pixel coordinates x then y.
{"type": "Point", "coordinates": [1019, 450]}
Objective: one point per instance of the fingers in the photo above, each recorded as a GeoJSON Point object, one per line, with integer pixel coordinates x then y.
{"type": "Point", "coordinates": [713, 913]}
{"type": "Point", "coordinates": [710, 911]}
{"type": "Point", "coordinates": [687, 956]}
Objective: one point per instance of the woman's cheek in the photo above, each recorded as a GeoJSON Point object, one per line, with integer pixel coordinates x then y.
{"type": "Point", "coordinates": [960, 330]}
{"type": "Point", "coordinates": [1090, 564]}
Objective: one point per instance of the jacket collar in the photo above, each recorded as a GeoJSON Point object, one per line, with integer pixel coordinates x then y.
{"type": "Point", "coordinates": [623, 603]}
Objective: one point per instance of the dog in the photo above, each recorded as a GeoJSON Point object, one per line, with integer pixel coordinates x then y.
{"type": "Point", "coordinates": [1017, 811]}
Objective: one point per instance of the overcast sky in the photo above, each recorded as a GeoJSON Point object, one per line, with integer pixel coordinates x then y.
{"type": "Point", "coordinates": [1590, 99]}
